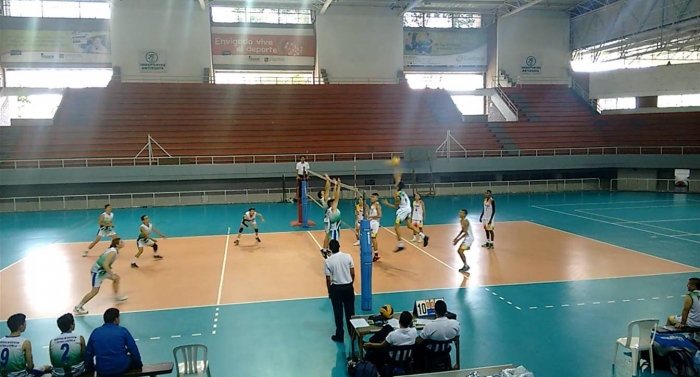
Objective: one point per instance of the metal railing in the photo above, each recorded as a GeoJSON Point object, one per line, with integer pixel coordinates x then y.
{"type": "Point", "coordinates": [260, 80]}
{"type": "Point", "coordinates": [654, 185]}
{"type": "Point", "coordinates": [336, 157]}
{"type": "Point", "coordinates": [184, 198]}
{"type": "Point", "coordinates": [586, 97]}
{"type": "Point", "coordinates": [507, 100]}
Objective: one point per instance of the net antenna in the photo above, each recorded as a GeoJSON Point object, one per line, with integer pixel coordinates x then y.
{"type": "Point", "coordinates": [357, 191]}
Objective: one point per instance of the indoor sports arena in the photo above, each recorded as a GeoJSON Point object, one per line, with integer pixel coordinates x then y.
{"type": "Point", "coordinates": [350, 188]}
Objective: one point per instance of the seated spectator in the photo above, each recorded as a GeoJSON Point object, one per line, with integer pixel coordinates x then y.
{"type": "Point", "coordinates": [441, 329]}
{"type": "Point", "coordinates": [67, 351]}
{"type": "Point", "coordinates": [111, 350]}
{"type": "Point", "coordinates": [17, 359]}
{"type": "Point", "coordinates": [690, 316]}
{"type": "Point", "coordinates": [405, 335]}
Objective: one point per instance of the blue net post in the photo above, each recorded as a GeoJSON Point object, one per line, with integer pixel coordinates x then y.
{"type": "Point", "coordinates": [366, 264]}
{"type": "Point", "coordinates": [304, 205]}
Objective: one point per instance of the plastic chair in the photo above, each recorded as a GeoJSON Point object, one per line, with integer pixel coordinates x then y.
{"type": "Point", "coordinates": [643, 342]}
{"type": "Point", "coordinates": [191, 364]}
{"type": "Point", "coordinates": [437, 355]}
{"type": "Point", "coordinates": [400, 361]}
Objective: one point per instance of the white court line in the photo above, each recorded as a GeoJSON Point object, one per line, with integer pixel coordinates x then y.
{"type": "Point", "coordinates": [624, 220]}
{"type": "Point", "coordinates": [321, 247]}
{"type": "Point", "coordinates": [41, 248]}
{"type": "Point", "coordinates": [657, 221]}
{"type": "Point", "coordinates": [621, 247]}
{"type": "Point", "coordinates": [615, 208]}
{"type": "Point", "coordinates": [425, 252]}
{"type": "Point", "coordinates": [223, 267]}
{"type": "Point", "coordinates": [616, 224]}
{"type": "Point", "coordinates": [601, 203]}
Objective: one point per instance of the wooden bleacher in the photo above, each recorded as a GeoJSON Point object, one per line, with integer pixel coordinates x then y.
{"type": "Point", "coordinates": [553, 116]}
{"type": "Point", "coordinates": [218, 120]}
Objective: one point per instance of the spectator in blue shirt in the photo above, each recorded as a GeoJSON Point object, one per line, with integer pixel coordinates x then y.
{"type": "Point", "coordinates": [111, 350]}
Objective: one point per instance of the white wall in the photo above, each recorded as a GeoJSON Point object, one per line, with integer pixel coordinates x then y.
{"type": "Point", "coordinates": [359, 42]}
{"type": "Point", "coordinates": [654, 81]}
{"type": "Point", "coordinates": [176, 29]}
{"type": "Point", "coordinates": [543, 35]}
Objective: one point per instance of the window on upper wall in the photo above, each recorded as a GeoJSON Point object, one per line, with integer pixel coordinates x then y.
{"type": "Point", "coordinates": [622, 103]}
{"type": "Point", "coordinates": [442, 20]}
{"type": "Point", "coordinates": [223, 14]}
{"type": "Point", "coordinates": [681, 100]}
{"type": "Point", "coordinates": [56, 9]}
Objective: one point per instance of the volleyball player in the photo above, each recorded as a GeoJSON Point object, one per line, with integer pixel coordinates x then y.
{"type": "Point", "coordinates": [106, 228]}
{"type": "Point", "coordinates": [145, 239]}
{"type": "Point", "coordinates": [360, 210]}
{"type": "Point", "coordinates": [375, 216]}
{"type": "Point", "coordinates": [101, 270]}
{"type": "Point", "coordinates": [403, 214]}
{"type": "Point", "coordinates": [418, 217]}
{"type": "Point", "coordinates": [333, 215]}
{"type": "Point", "coordinates": [325, 196]}
{"type": "Point", "coordinates": [467, 236]}
{"type": "Point", "coordinates": [486, 218]}
{"type": "Point", "coordinates": [249, 217]}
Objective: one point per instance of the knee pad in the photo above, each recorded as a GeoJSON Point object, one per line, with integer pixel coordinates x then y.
{"type": "Point", "coordinates": [155, 247]}
{"type": "Point", "coordinates": [240, 230]}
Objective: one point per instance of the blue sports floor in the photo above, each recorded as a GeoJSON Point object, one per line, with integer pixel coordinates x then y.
{"type": "Point", "coordinates": [556, 329]}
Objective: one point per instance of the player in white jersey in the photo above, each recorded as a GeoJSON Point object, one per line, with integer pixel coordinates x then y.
{"type": "Point", "coordinates": [487, 219]}
{"type": "Point", "coordinates": [418, 216]}
{"type": "Point", "coordinates": [106, 228]}
{"type": "Point", "coordinates": [67, 350]}
{"type": "Point", "coordinates": [145, 239]}
{"type": "Point", "coordinates": [375, 216]}
{"type": "Point", "coordinates": [16, 359]}
{"type": "Point", "coordinates": [324, 196]}
{"type": "Point", "coordinates": [101, 270]}
{"type": "Point", "coordinates": [361, 209]}
{"type": "Point", "coordinates": [466, 236]}
{"type": "Point", "coordinates": [334, 218]}
{"type": "Point", "coordinates": [249, 217]}
{"type": "Point", "coordinates": [402, 204]}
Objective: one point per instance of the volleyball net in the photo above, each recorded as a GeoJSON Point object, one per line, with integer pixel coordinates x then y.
{"type": "Point", "coordinates": [305, 199]}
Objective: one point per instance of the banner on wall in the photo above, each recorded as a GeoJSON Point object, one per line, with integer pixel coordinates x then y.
{"type": "Point", "coordinates": [261, 48]}
{"type": "Point", "coordinates": [445, 48]}
{"type": "Point", "coordinates": [55, 46]}
{"type": "Point", "coordinates": [531, 64]}
{"type": "Point", "coordinates": [152, 60]}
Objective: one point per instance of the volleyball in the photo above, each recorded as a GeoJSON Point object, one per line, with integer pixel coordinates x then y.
{"type": "Point", "coordinates": [395, 161]}
{"type": "Point", "coordinates": [386, 311]}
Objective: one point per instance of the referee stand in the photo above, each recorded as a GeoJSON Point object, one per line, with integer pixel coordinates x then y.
{"type": "Point", "coordinates": [303, 203]}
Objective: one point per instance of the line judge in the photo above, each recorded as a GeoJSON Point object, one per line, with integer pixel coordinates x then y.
{"type": "Point", "coordinates": [340, 276]}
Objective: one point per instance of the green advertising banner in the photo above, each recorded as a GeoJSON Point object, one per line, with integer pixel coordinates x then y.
{"type": "Point", "coordinates": [449, 48]}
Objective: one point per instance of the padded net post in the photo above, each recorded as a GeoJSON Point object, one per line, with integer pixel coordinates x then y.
{"type": "Point", "coordinates": [303, 206]}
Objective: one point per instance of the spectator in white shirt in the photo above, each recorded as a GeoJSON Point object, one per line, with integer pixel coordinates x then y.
{"type": "Point", "coordinates": [405, 335]}
{"type": "Point", "coordinates": [441, 329]}
{"type": "Point", "coordinates": [340, 276]}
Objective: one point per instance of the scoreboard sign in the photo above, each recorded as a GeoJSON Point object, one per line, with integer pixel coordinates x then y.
{"type": "Point", "coordinates": [425, 308]}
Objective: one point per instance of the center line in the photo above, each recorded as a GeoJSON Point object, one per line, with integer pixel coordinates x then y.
{"type": "Point", "coordinates": [223, 267]}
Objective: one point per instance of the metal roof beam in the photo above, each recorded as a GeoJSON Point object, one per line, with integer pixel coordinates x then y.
{"type": "Point", "coordinates": [412, 5]}
{"type": "Point", "coordinates": [325, 6]}
{"type": "Point", "coordinates": [509, 8]}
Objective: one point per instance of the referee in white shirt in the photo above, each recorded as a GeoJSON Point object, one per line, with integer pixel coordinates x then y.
{"type": "Point", "coordinates": [302, 169]}
{"type": "Point", "coordinates": [340, 274]}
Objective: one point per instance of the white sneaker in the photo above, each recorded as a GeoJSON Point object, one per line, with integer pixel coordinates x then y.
{"type": "Point", "coordinates": [80, 310]}
{"type": "Point", "coordinates": [413, 239]}
{"type": "Point", "coordinates": [357, 243]}
{"type": "Point", "coordinates": [120, 298]}
{"type": "Point", "coordinates": [85, 253]}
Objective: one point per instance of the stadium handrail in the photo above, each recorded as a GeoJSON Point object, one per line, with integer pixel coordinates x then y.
{"type": "Point", "coordinates": [180, 198]}
{"type": "Point", "coordinates": [269, 80]}
{"type": "Point", "coordinates": [336, 157]}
